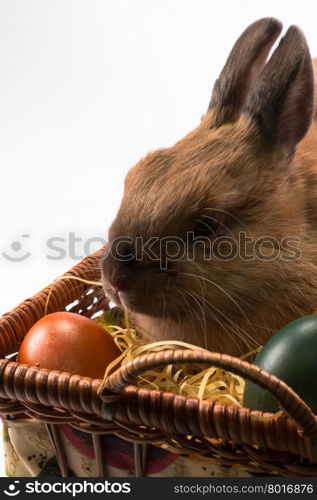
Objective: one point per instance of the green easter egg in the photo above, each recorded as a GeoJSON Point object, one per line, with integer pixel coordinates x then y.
{"type": "Point", "coordinates": [291, 355]}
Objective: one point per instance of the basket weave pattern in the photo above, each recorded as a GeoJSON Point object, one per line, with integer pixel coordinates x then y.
{"type": "Point", "coordinates": [229, 435]}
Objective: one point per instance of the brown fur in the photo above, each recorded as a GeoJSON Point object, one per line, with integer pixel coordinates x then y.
{"type": "Point", "coordinates": [239, 167]}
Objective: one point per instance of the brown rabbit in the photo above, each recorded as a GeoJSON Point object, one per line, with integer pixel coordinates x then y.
{"type": "Point", "coordinates": [244, 179]}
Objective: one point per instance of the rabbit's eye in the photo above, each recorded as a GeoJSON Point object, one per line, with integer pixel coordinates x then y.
{"type": "Point", "coordinates": [206, 226]}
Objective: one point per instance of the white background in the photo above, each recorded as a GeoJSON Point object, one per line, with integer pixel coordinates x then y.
{"type": "Point", "coordinates": [86, 89]}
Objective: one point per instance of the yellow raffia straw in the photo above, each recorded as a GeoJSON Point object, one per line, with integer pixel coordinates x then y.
{"type": "Point", "coordinates": [210, 383]}
{"type": "Point", "coordinates": [76, 278]}
{"type": "Point", "coordinates": [207, 384]}
{"type": "Point", "coordinates": [254, 352]}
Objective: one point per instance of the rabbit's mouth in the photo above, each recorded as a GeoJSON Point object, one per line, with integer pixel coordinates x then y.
{"type": "Point", "coordinates": [135, 300]}
{"type": "Point", "coordinates": [112, 294]}
{"type": "Point", "coordinates": [122, 298]}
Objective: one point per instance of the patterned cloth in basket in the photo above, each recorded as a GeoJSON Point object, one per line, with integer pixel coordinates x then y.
{"type": "Point", "coordinates": [28, 453]}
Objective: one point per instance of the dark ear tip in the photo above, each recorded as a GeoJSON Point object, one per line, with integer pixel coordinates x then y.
{"type": "Point", "coordinates": [295, 44]}
{"type": "Point", "coordinates": [270, 24]}
{"type": "Point", "coordinates": [295, 29]}
{"type": "Point", "coordinates": [295, 36]}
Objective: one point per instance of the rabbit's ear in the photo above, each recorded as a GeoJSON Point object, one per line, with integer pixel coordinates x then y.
{"type": "Point", "coordinates": [283, 100]}
{"type": "Point", "coordinates": [242, 69]}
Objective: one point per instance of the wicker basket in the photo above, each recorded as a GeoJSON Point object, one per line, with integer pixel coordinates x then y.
{"type": "Point", "coordinates": [228, 435]}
